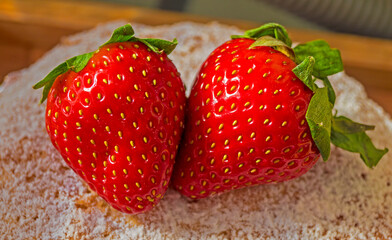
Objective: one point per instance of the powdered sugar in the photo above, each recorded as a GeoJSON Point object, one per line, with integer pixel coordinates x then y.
{"type": "Point", "coordinates": [42, 198]}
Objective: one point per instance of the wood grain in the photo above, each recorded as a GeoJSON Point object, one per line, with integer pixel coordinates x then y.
{"type": "Point", "coordinates": [30, 28]}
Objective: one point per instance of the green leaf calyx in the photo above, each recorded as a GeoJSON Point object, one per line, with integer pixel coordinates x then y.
{"type": "Point", "coordinates": [275, 43]}
{"type": "Point", "coordinates": [319, 117]}
{"type": "Point", "coordinates": [304, 72]}
{"type": "Point", "coordinates": [274, 30]}
{"type": "Point", "coordinates": [343, 132]}
{"type": "Point", "coordinates": [122, 34]}
{"type": "Point", "coordinates": [351, 137]}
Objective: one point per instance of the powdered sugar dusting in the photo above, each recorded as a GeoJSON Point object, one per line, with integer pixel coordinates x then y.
{"type": "Point", "coordinates": [43, 199]}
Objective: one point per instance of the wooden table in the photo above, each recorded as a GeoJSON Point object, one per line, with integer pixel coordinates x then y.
{"type": "Point", "coordinates": [30, 28]}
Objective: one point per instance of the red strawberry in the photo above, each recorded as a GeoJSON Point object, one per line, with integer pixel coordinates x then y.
{"type": "Point", "coordinates": [248, 115]}
{"type": "Point", "coordinates": [116, 117]}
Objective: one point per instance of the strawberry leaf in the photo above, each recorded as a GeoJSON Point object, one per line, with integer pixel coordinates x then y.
{"type": "Point", "coordinates": [331, 91]}
{"type": "Point", "coordinates": [121, 34]}
{"type": "Point", "coordinates": [276, 44]}
{"type": "Point", "coordinates": [159, 45]}
{"type": "Point", "coordinates": [126, 33]}
{"type": "Point", "coordinates": [48, 81]}
{"type": "Point", "coordinates": [77, 63]}
{"type": "Point", "coordinates": [328, 60]}
{"type": "Point", "coordinates": [319, 117]}
{"type": "Point", "coordinates": [304, 72]}
{"type": "Point", "coordinates": [345, 125]}
{"type": "Point", "coordinates": [274, 30]}
{"type": "Point", "coordinates": [351, 137]}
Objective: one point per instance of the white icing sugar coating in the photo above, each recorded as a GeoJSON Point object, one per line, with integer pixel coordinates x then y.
{"type": "Point", "coordinates": [42, 198]}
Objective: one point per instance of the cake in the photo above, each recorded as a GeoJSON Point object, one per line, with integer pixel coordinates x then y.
{"type": "Point", "coordinates": [42, 198]}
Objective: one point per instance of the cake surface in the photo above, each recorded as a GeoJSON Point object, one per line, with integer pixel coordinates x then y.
{"type": "Point", "coordinates": [42, 198]}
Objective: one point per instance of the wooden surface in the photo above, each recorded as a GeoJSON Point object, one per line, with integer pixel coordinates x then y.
{"type": "Point", "coordinates": [30, 28]}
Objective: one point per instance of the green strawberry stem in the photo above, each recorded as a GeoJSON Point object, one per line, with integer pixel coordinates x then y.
{"type": "Point", "coordinates": [316, 60]}
{"type": "Point", "coordinates": [77, 63]}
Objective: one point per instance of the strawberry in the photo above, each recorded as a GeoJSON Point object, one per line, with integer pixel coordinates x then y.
{"type": "Point", "coordinates": [255, 117]}
{"type": "Point", "coordinates": [116, 117]}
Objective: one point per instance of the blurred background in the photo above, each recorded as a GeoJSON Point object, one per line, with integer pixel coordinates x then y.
{"type": "Point", "coordinates": [361, 29]}
{"type": "Point", "coordinates": [363, 17]}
